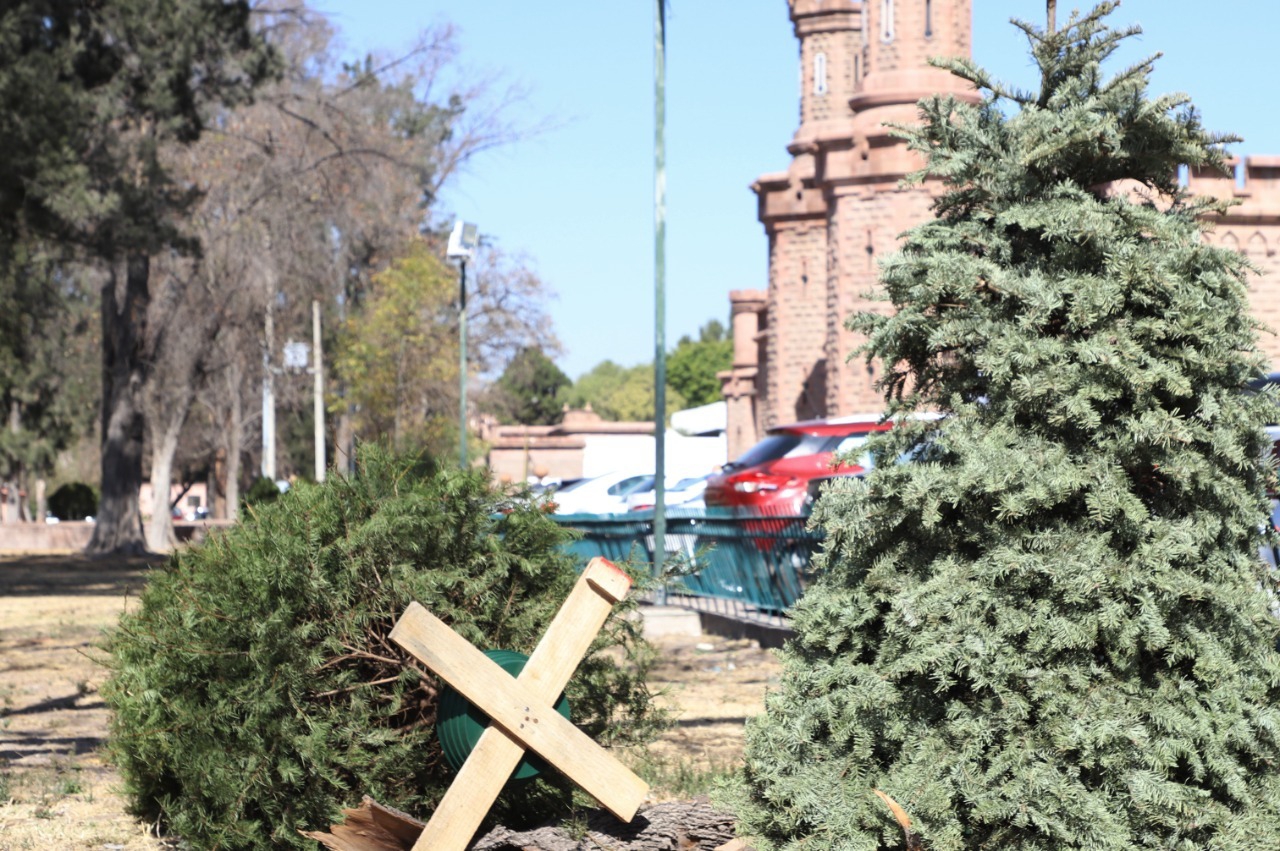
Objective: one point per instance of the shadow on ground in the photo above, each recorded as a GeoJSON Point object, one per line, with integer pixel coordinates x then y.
{"type": "Point", "coordinates": [73, 574]}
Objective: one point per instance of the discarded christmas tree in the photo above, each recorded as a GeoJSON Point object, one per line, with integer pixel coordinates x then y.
{"type": "Point", "coordinates": [255, 691]}
{"type": "Point", "coordinates": [1050, 628]}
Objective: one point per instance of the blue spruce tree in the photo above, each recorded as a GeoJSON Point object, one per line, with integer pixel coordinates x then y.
{"type": "Point", "coordinates": [1051, 628]}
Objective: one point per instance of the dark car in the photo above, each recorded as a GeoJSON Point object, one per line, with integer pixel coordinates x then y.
{"type": "Point", "coordinates": [774, 476]}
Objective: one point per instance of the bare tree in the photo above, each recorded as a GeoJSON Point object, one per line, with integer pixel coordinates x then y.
{"type": "Point", "coordinates": [306, 193]}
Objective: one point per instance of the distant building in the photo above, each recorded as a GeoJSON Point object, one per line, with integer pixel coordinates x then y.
{"type": "Point", "coordinates": [584, 445]}
{"type": "Point", "coordinates": [838, 209]}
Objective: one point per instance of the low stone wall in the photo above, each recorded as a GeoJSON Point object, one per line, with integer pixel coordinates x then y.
{"type": "Point", "coordinates": [72, 536]}
{"type": "Point", "coordinates": [44, 537]}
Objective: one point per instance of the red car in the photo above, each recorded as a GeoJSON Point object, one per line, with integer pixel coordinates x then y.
{"type": "Point", "coordinates": [774, 476]}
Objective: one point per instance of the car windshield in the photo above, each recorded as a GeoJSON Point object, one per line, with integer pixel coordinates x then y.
{"type": "Point", "coordinates": [575, 486]}
{"type": "Point", "coordinates": [631, 485]}
{"type": "Point", "coordinates": [777, 446]}
{"type": "Point", "coordinates": [685, 484]}
{"type": "Point", "coordinates": [846, 451]}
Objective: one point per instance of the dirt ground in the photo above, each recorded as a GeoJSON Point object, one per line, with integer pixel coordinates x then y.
{"type": "Point", "coordinates": [58, 792]}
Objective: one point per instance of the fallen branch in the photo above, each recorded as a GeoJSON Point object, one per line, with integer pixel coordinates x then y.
{"type": "Point", "coordinates": [904, 820]}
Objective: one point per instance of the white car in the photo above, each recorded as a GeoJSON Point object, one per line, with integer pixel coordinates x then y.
{"type": "Point", "coordinates": [605, 494]}
{"type": "Point", "coordinates": [685, 493]}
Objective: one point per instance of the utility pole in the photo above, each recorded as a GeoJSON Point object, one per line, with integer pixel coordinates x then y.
{"type": "Point", "coordinates": [462, 247]}
{"type": "Point", "coordinates": [269, 394]}
{"type": "Point", "coordinates": [317, 367]}
{"type": "Point", "coordinates": [659, 293]}
{"type": "Point", "coordinates": [462, 364]}
{"type": "Point", "coordinates": [1052, 9]}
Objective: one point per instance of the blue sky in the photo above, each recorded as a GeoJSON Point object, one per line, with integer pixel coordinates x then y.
{"type": "Point", "coordinates": [578, 199]}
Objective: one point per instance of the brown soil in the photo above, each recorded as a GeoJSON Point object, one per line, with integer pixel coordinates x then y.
{"type": "Point", "coordinates": [58, 792]}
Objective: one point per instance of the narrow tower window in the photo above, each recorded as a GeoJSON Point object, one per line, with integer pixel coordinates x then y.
{"type": "Point", "coordinates": [886, 20]}
{"type": "Point", "coordinates": [820, 74]}
{"type": "Point", "coordinates": [928, 18]}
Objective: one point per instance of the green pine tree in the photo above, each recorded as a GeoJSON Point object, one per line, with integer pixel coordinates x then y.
{"type": "Point", "coordinates": [254, 691]}
{"type": "Point", "coordinates": [528, 391]}
{"type": "Point", "coordinates": [1051, 629]}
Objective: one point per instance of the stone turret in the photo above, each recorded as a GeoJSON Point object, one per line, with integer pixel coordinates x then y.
{"type": "Point", "coordinates": [838, 208]}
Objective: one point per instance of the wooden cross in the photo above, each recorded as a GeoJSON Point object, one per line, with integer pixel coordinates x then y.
{"type": "Point", "coordinates": [522, 710]}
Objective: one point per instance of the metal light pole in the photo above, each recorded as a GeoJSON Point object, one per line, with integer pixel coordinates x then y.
{"type": "Point", "coordinates": [317, 367]}
{"type": "Point", "coordinates": [462, 246]}
{"type": "Point", "coordinates": [269, 393]}
{"type": "Point", "coordinates": [659, 292]}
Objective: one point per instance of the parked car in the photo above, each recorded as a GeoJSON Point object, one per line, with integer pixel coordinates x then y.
{"type": "Point", "coordinates": [773, 477]}
{"type": "Point", "coordinates": [685, 493]}
{"type": "Point", "coordinates": [605, 494]}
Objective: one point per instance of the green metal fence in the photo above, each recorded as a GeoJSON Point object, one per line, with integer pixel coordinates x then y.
{"type": "Point", "coordinates": [758, 566]}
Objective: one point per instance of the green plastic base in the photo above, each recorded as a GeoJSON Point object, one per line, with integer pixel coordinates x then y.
{"type": "Point", "coordinates": [459, 724]}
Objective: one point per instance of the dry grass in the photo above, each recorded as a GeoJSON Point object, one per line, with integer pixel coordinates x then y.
{"type": "Point", "coordinates": [55, 789]}
{"type": "Point", "coordinates": [57, 792]}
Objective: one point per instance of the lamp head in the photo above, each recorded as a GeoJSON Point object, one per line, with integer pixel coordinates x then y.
{"type": "Point", "coordinates": [462, 241]}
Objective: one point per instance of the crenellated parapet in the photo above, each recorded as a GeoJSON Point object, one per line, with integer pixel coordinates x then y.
{"type": "Point", "coordinates": [1254, 186]}
{"type": "Point", "coordinates": [839, 207]}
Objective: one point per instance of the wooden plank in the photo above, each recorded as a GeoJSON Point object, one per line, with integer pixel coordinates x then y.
{"type": "Point", "coordinates": [495, 757]}
{"type": "Point", "coordinates": [547, 672]}
{"type": "Point", "coordinates": [467, 800]}
{"type": "Point", "coordinates": [520, 711]}
{"type": "Point", "coordinates": [573, 629]}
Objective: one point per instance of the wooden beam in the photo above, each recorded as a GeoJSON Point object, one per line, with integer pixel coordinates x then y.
{"type": "Point", "coordinates": [544, 677]}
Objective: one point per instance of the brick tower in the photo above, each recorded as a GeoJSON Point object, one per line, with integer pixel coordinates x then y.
{"type": "Point", "coordinates": [838, 209]}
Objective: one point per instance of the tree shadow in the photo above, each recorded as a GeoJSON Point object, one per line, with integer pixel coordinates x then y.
{"type": "Point", "coordinates": [23, 746]}
{"type": "Point", "coordinates": [74, 575]}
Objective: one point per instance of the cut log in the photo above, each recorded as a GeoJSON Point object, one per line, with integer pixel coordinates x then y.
{"type": "Point", "coordinates": [673, 826]}
{"type": "Point", "coordinates": [370, 827]}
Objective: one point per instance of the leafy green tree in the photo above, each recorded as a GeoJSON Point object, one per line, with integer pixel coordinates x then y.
{"type": "Point", "coordinates": [399, 356]}
{"type": "Point", "coordinates": [255, 691]}
{"type": "Point", "coordinates": [528, 391]}
{"type": "Point", "coordinates": [692, 367]}
{"type": "Point", "coordinates": [48, 366]}
{"type": "Point", "coordinates": [595, 387]}
{"type": "Point", "coordinates": [94, 94]}
{"type": "Point", "coordinates": [634, 398]}
{"type": "Point", "coordinates": [1051, 629]}
{"type": "Point", "coordinates": [73, 501]}
{"type": "Point", "coordinates": [620, 393]}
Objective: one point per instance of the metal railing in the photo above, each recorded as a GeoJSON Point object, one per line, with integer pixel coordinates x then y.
{"type": "Point", "coordinates": [748, 566]}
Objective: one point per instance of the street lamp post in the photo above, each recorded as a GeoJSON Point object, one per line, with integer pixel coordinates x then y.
{"type": "Point", "coordinates": [462, 247]}
{"type": "Point", "coordinates": [659, 293]}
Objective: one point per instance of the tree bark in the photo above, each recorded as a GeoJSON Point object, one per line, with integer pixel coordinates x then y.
{"type": "Point", "coordinates": [673, 826]}
{"type": "Point", "coordinates": [344, 444]}
{"type": "Point", "coordinates": [118, 525]}
{"type": "Point", "coordinates": [172, 410]}
{"type": "Point", "coordinates": [160, 535]}
{"type": "Point", "coordinates": [42, 502]}
{"type": "Point", "coordinates": [235, 437]}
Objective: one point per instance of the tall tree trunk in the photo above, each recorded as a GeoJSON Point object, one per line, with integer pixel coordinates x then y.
{"type": "Point", "coordinates": [24, 496]}
{"type": "Point", "coordinates": [160, 535]}
{"type": "Point", "coordinates": [344, 440]}
{"type": "Point", "coordinates": [42, 502]}
{"type": "Point", "coordinates": [216, 487]}
{"type": "Point", "coordinates": [168, 416]}
{"type": "Point", "coordinates": [235, 450]}
{"type": "Point", "coordinates": [118, 525]}
{"type": "Point", "coordinates": [14, 487]}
